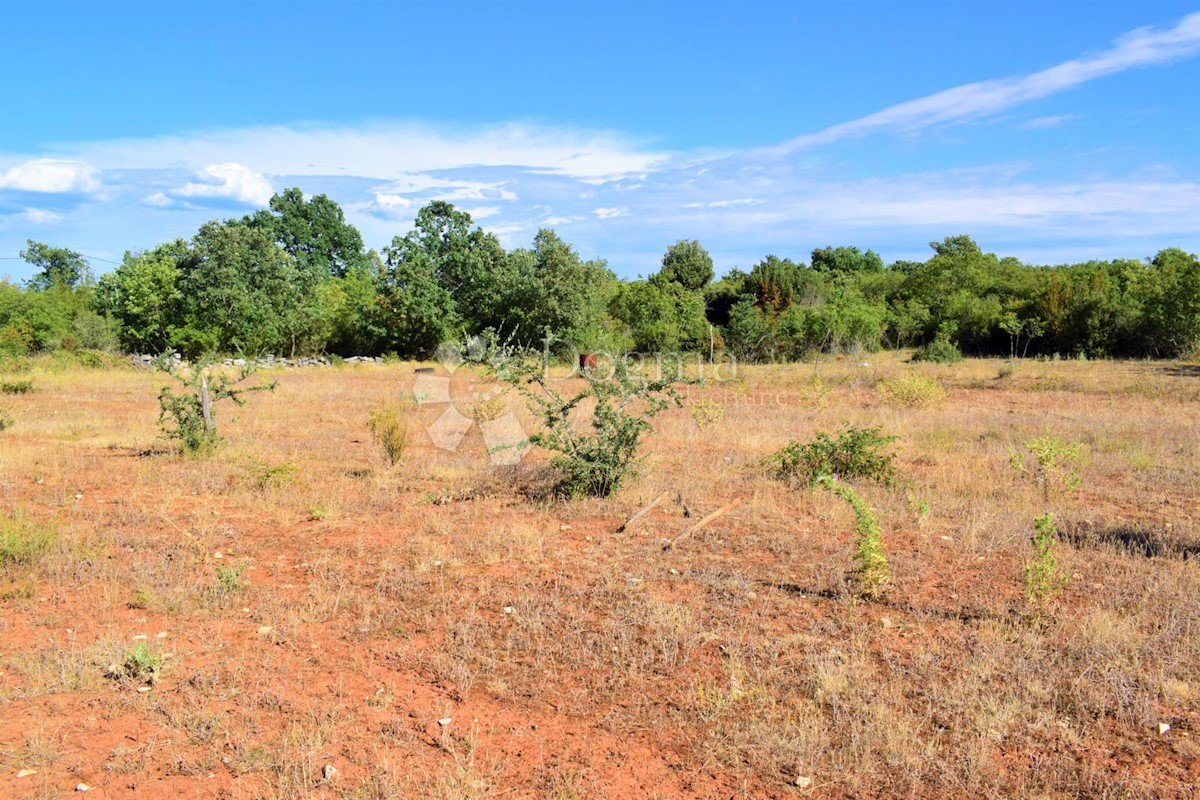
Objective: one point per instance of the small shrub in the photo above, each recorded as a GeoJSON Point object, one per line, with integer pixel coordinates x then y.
{"type": "Point", "coordinates": [1051, 463]}
{"type": "Point", "coordinates": [191, 412]}
{"type": "Point", "coordinates": [1044, 577]}
{"type": "Point", "coordinates": [23, 544]}
{"type": "Point", "coordinates": [911, 391]}
{"type": "Point", "coordinates": [918, 507]}
{"type": "Point", "coordinates": [16, 387]}
{"type": "Point", "coordinates": [853, 453]}
{"type": "Point", "coordinates": [390, 429]}
{"type": "Point", "coordinates": [595, 463]}
{"type": "Point", "coordinates": [141, 664]}
{"type": "Point", "coordinates": [6, 420]}
{"type": "Point", "coordinates": [488, 409]}
{"type": "Point", "coordinates": [706, 412]}
{"type": "Point", "coordinates": [941, 350]}
{"type": "Point", "coordinates": [872, 575]}
{"type": "Point", "coordinates": [229, 579]}
{"type": "Point", "coordinates": [1006, 371]}
{"type": "Point", "coordinates": [264, 477]}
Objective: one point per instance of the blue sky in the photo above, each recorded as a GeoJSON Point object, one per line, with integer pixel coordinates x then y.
{"type": "Point", "coordinates": [1053, 132]}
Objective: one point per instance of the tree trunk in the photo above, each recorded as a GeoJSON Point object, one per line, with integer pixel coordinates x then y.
{"type": "Point", "coordinates": [206, 403]}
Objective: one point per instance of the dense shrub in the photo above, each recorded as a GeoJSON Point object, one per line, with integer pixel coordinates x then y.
{"type": "Point", "coordinates": [853, 453]}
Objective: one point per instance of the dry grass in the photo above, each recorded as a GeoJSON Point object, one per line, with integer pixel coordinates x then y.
{"type": "Point", "coordinates": [373, 604]}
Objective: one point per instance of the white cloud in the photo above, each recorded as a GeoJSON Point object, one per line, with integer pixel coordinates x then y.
{"type": "Point", "coordinates": [229, 181]}
{"type": "Point", "coordinates": [741, 201]}
{"type": "Point", "coordinates": [972, 101]}
{"type": "Point", "coordinates": [552, 221]}
{"type": "Point", "coordinates": [1052, 121]}
{"type": "Point", "coordinates": [52, 176]}
{"type": "Point", "coordinates": [482, 212]}
{"type": "Point", "coordinates": [386, 150]}
{"type": "Point", "coordinates": [158, 200]}
{"type": "Point", "coordinates": [611, 213]}
{"type": "Point", "coordinates": [41, 217]}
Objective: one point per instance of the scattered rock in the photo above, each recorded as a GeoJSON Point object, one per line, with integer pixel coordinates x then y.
{"type": "Point", "coordinates": [887, 623]}
{"type": "Point", "coordinates": [508, 609]}
{"type": "Point", "coordinates": [82, 787]}
{"type": "Point", "coordinates": [803, 781]}
{"type": "Point", "coordinates": [265, 630]}
{"type": "Point", "coordinates": [329, 772]}
{"type": "Point", "coordinates": [444, 721]}
{"type": "Point", "coordinates": [25, 773]}
{"type": "Point", "coordinates": [1163, 727]}
{"type": "Point", "coordinates": [143, 689]}
{"type": "Point", "coordinates": [140, 637]}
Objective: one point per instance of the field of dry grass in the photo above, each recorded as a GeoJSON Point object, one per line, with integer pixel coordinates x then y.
{"type": "Point", "coordinates": [294, 617]}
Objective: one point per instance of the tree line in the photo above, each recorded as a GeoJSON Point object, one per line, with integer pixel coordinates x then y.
{"type": "Point", "coordinates": [295, 279]}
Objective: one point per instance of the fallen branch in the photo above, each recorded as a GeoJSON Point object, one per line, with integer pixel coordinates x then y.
{"type": "Point", "coordinates": [667, 545]}
{"type": "Point", "coordinates": [645, 509]}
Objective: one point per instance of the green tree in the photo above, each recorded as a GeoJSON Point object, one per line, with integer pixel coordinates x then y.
{"type": "Point", "coordinates": [57, 266]}
{"type": "Point", "coordinates": [313, 231]}
{"type": "Point", "coordinates": [414, 312]}
{"type": "Point", "coordinates": [846, 260]}
{"type": "Point", "coordinates": [142, 295]}
{"type": "Point", "coordinates": [1172, 305]}
{"type": "Point", "coordinates": [238, 290]}
{"type": "Point", "coordinates": [688, 264]}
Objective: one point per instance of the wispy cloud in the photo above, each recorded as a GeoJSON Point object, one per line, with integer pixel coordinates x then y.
{"type": "Point", "coordinates": [1051, 121]}
{"type": "Point", "coordinates": [971, 101]}
{"type": "Point", "coordinates": [383, 150]}
{"type": "Point", "coordinates": [610, 213]}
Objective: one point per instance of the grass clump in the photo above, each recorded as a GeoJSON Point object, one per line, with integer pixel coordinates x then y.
{"type": "Point", "coordinates": [23, 544]}
{"type": "Point", "coordinates": [872, 574]}
{"type": "Point", "coordinates": [853, 453]}
{"type": "Point", "coordinates": [16, 387]}
{"type": "Point", "coordinates": [911, 391]}
{"type": "Point", "coordinates": [1044, 576]}
{"type": "Point", "coordinates": [390, 430]}
{"type": "Point", "coordinates": [6, 420]}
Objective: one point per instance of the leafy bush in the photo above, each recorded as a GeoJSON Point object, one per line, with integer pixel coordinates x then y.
{"type": "Point", "coordinates": [6, 420]}
{"type": "Point", "coordinates": [592, 464]}
{"type": "Point", "coordinates": [390, 430]}
{"type": "Point", "coordinates": [706, 412]}
{"type": "Point", "coordinates": [911, 391]}
{"type": "Point", "coordinates": [1044, 577]}
{"type": "Point", "coordinates": [23, 544]}
{"type": "Point", "coordinates": [941, 350]}
{"type": "Point", "coordinates": [191, 412]}
{"type": "Point", "coordinates": [16, 387]}
{"type": "Point", "coordinates": [873, 574]}
{"type": "Point", "coordinates": [853, 453]}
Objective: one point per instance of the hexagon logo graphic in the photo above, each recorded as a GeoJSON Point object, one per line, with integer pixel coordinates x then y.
{"type": "Point", "coordinates": [503, 435]}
